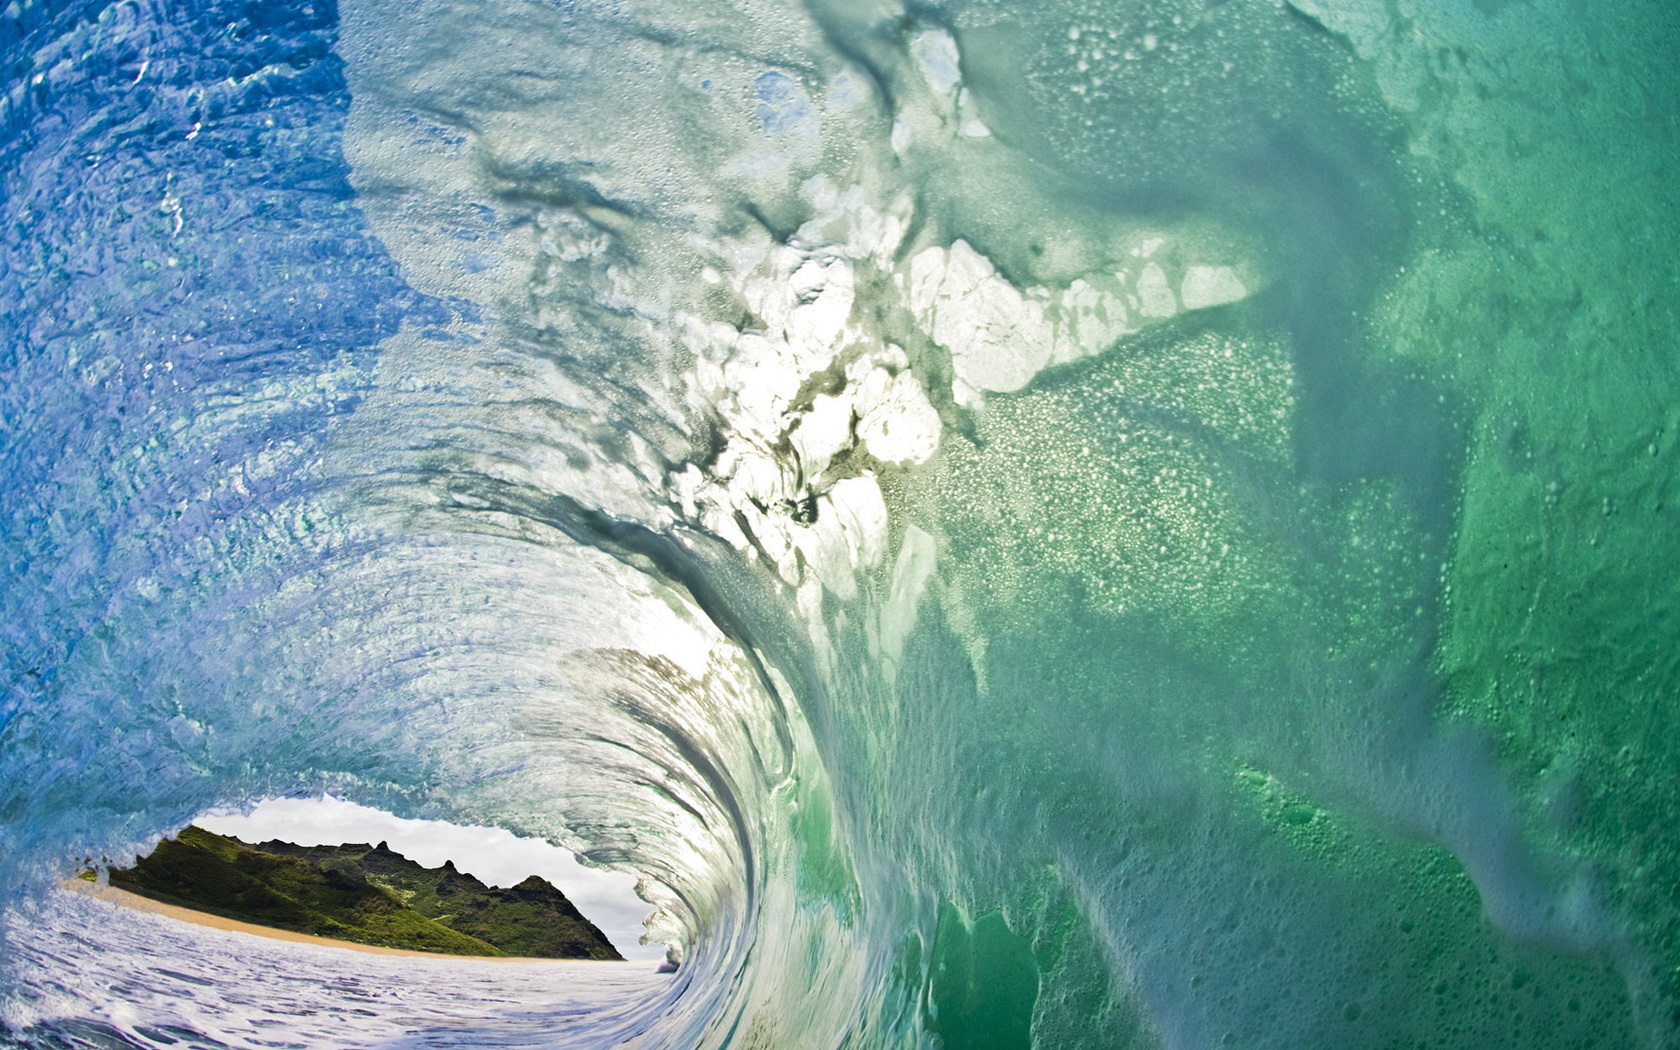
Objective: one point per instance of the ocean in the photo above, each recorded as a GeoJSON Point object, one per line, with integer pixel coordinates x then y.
{"type": "Point", "coordinates": [1093, 523]}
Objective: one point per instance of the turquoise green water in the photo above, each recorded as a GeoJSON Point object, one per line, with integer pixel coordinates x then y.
{"type": "Point", "coordinates": [1331, 626]}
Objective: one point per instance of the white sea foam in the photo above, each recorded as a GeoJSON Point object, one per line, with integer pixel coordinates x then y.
{"type": "Point", "coordinates": [156, 979]}
{"type": "Point", "coordinates": [1000, 336]}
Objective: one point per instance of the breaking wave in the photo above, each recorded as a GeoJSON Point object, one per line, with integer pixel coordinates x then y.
{"type": "Point", "coordinates": [1093, 523]}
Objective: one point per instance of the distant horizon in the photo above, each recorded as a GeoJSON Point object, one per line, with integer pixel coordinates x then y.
{"type": "Point", "coordinates": [384, 844]}
{"type": "Point", "coordinates": [494, 856]}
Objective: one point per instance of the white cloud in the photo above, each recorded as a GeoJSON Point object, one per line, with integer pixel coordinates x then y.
{"type": "Point", "coordinates": [493, 855]}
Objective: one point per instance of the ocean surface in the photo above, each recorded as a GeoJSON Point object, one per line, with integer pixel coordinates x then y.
{"type": "Point", "coordinates": [1084, 523]}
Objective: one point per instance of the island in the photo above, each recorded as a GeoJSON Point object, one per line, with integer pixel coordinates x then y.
{"type": "Point", "coordinates": [364, 894]}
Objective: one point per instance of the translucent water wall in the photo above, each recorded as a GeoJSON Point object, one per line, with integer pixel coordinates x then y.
{"type": "Point", "coordinates": [1077, 524]}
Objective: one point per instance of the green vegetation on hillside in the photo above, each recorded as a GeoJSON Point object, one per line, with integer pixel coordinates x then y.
{"type": "Point", "coordinates": [366, 894]}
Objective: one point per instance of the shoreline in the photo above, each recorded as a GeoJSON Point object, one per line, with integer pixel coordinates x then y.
{"type": "Point", "coordinates": [135, 902]}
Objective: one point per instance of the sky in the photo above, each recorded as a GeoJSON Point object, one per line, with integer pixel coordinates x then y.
{"type": "Point", "coordinates": [495, 856]}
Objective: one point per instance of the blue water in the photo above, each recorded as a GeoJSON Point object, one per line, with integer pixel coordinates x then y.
{"type": "Point", "coordinates": [1116, 523]}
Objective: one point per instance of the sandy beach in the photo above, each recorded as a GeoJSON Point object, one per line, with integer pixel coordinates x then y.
{"type": "Point", "coordinates": [145, 904]}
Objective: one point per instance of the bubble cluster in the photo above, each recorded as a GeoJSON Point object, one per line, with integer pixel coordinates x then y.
{"type": "Point", "coordinates": [1127, 478]}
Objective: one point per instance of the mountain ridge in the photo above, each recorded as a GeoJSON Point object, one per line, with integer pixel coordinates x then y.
{"type": "Point", "coordinates": [365, 894]}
